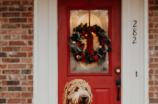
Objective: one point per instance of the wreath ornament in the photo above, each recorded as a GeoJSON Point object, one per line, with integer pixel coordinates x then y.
{"type": "Point", "coordinates": [89, 44]}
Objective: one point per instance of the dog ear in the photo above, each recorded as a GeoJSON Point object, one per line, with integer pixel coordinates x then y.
{"type": "Point", "coordinates": [90, 93]}
{"type": "Point", "coordinates": [65, 97]}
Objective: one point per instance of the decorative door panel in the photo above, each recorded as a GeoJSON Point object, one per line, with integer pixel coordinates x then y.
{"type": "Point", "coordinates": [101, 76]}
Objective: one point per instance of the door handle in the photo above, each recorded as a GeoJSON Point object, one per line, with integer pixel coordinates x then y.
{"type": "Point", "coordinates": [118, 83]}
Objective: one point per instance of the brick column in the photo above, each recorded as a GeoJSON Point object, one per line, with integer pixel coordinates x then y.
{"type": "Point", "coordinates": [153, 51]}
{"type": "Point", "coordinates": [16, 51]}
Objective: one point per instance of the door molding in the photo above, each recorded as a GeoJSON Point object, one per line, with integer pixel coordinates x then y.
{"type": "Point", "coordinates": [134, 56]}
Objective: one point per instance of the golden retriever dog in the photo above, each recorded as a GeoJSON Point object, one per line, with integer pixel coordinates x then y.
{"type": "Point", "coordinates": [77, 91]}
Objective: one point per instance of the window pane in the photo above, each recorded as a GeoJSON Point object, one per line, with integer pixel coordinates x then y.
{"type": "Point", "coordinates": [99, 17]}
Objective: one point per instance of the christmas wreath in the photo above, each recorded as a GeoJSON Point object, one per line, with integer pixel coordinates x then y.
{"type": "Point", "coordinates": [82, 46]}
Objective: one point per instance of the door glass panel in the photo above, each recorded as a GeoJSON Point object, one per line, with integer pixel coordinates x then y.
{"type": "Point", "coordinates": [97, 17]}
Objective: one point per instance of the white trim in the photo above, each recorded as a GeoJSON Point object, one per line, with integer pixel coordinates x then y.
{"type": "Point", "coordinates": [134, 90]}
{"type": "Point", "coordinates": [135, 56]}
{"type": "Point", "coordinates": [45, 52]}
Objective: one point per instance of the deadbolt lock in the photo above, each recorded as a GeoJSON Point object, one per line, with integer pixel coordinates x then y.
{"type": "Point", "coordinates": [118, 70]}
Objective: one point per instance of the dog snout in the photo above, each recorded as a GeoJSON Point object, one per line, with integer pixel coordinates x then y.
{"type": "Point", "coordinates": [84, 97]}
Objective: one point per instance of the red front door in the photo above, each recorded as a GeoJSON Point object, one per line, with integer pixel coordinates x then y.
{"type": "Point", "coordinates": [102, 79]}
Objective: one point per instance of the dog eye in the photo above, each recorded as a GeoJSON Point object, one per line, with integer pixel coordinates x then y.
{"type": "Point", "coordinates": [76, 89]}
{"type": "Point", "coordinates": [68, 92]}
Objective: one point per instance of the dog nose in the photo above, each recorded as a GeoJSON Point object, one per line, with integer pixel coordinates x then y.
{"type": "Point", "coordinates": [84, 97]}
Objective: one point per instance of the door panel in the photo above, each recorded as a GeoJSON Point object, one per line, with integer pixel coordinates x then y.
{"type": "Point", "coordinates": [102, 96]}
{"type": "Point", "coordinates": [103, 85]}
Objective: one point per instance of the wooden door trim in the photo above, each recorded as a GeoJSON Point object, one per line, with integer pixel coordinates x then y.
{"type": "Point", "coordinates": [45, 52]}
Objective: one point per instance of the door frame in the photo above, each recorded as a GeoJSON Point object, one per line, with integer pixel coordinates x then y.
{"type": "Point", "coordinates": [46, 52]}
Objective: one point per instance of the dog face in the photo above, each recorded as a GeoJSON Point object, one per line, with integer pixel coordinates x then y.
{"type": "Point", "coordinates": [77, 91]}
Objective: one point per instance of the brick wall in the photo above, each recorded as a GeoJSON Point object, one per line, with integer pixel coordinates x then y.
{"type": "Point", "coordinates": [153, 51]}
{"type": "Point", "coordinates": [16, 51]}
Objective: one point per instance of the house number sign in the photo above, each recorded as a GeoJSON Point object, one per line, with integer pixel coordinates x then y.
{"type": "Point", "coordinates": [135, 32]}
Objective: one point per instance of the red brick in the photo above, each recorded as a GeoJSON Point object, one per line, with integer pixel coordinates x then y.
{"type": "Point", "coordinates": [152, 19]}
{"type": "Point", "coordinates": [11, 48]}
{"type": "Point", "coordinates": [27, 25]}
{"type": "Point", "coordinates": [15, 54]}
{"type": "Point", "coordinates": [156, 25]}
{"type": "Point", "coordinates": [30, 31]}
{"type": "Point", "coordinates": [155, 13]}
{"type": "Point", "coordinates": [27, 37]}
{"type": "Point", "coordinates": [151, 71]}
{"type": "Point", "coordinates": [17, 31]}
{"type": "Point", "coordinates": [10, 14]}
{"type": "Point", "coordinates": [11, 37]}
{"type": "Point", "coordinates": [24, 89]}
{"type": "Point", "coordinates": [11, 26]}
{"type": "Point", "coordinates": [30, 88]}
{"type": "Point", "coordinates": [156, 82]}
{"type": "Point", "coordinates": [30, 66]}
{"type": "Point", "coordinates": [3, 43]}
{"type": "Point", "coordinates": [26, 48]}
{"type": "Point", "coordinates": [17, 43]}
{"type": "Point", "coordinates": [17, 77]}
{"type": "Point", "coordinates": [153, 30]}
{"type": "Point", "coordinates": [3, 8]}
{"type": "Point", "coordinates": [153, 65]}
{"type": "Point", "coordinates": [3, 31]}
{"type": "Point", "coordinates": [30, 20]}
{"type": "Point", "coordinates": [29, 14]}
{"type": "Point", "coordinates": [3, 89]}
{"type": "Point", "coordinates": [30, 54]}
{"type": "Point", "coordinates": [30, 77]}
{"type": "Point", "coordinates": [156, 47]}
{"type": "Point", "coordinates": [151, 36]}
{"type": "Point", "coordinates": [2, 100]}
{"type": "Point", "coordinates": [30, 42]}
{"type": "Point", "coordinates": [29, 100]}
{"type": "Point", "coordinates": [151, 60]}
{"type": "Point", "coordinates": [30, 8]}
{"type": "Point", "coordinates": [10, 60]}
{"type": "Point", "coordinates": [2, 77]}
{"type": "Point", "coordinates": [151, 88]}
{"type": "Point", "coordinates": [18, 8]}
{"type": "Point", "coordinates": [151, 48]}
{"type": "Point", "coordinates": [151, 25]}
{"type": "Point", "coordinates": [10, 94]}
{"type": "Point", "coordinates": [3, 20]}
{"type": "Point", "coordinates": [156, 71]}
{"type": "Point", "coordinates": [27, 2]}
{"type": "Point", "coordinates": [3, 66]}
{"type": "Point", "coordinates": [156, 59]}
{"type": "Point", "coordinates": [27, 95]}
{"type": "Point", "coordinates": [3, 54]}
{"type": "Point", "coordinates": [156, 36]}
{"type": "Point", "coordinates": [27, 82]}
{"type": "Point", "coordinates": [151, 8]}
{"type": "Point", "coordinates": [151, 2]}
{"type": "Point", "coordinates": [151, 82]}
{"type": "Point", "coordinates": [151, 94]}
{"type": "Point", "coordinates": [5, 3]}
{"type": "Point", "coordinates": [153, 100]}
{"type": "Point", "coordinates": [16, 100]}
{"type": "Point", "coordinates": [151, 14]}
{"type": "Point", "coordinates": [10, 82]}
{"type": "Point", "coordinates": [16, 66]}
{"type": "Point", "coordinates": [26, 60]}
{"type": "Point", "coordinates": [153, 42]}
{"type": "Point", "coordinates": [11, 71]}
{"type": "Point", "coordinates": [17, 20]}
